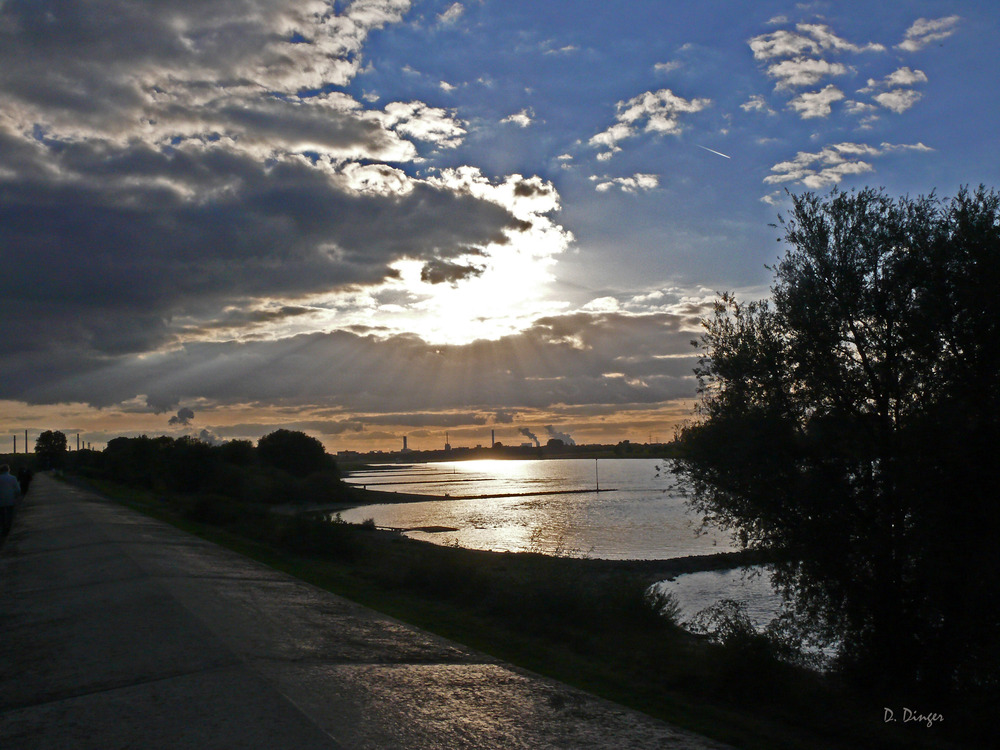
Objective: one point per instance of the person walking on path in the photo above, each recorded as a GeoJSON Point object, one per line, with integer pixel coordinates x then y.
{"type": "Point", "coordinates": [24, 476]}
{"type": "Point", "coordinates": [10, 491]}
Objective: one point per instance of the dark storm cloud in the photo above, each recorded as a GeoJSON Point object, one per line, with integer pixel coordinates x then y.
{"type": "Point", "coordinates": [531, 189]}
{"type": "Point", "coordinates": [161, 160]}
{"type": "Point", "coordinates": [224, 41]}
{"type": "Point", "coordinates": [244, 318]}
{"type": "Point", "coordinates": [442, 271]}
{"type": "Point", "coordinates": [95, 253]}
{"type": "Point", "coordinates": [176, 169]}
{"type": "Point", "coordinates": [606, 358]}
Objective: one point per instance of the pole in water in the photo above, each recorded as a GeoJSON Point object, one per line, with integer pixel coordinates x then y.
{"type": "Point", "coordinates": [597, 478]}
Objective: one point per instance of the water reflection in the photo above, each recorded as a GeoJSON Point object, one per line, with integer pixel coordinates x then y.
{"type": "Point", "coordinates": [639, 514]}
{"type": "Point", "coordinates": [751, 586]}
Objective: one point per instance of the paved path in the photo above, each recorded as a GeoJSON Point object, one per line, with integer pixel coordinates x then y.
{"type": "Point", "coordinates": [119, 631]}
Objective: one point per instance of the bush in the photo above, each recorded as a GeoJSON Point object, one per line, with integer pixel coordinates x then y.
{"type": "Point", "coordinates": [237, 452]}
{"type": "Point", "coordinates": [725, 622]}
{"type": "Point", "coordinates": [292, 451]}
{"type": "Point", "coordinates": [662, 605]}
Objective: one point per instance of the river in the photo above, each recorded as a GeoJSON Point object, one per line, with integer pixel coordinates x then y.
{"type": "Point", "coordinates": [554, 507]}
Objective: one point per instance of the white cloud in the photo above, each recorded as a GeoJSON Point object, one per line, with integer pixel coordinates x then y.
{"type": "Point", "coordinates": [609, 139]}
{"type": "Point", "coordinates": [905, 147]}
{"type": "Point", "coordinates": [602, 305]}
{"type": "Point", "coordinates": [447, 87]}
{"type": "Point", "coordinates": [793, 57]}
{"type": "Point", "coordinates": [782, 43]}
{"type": "Point", "coordinates": [660, 110]}
{"type": "Point", "coordinates": [375, 179]}
{"type": "Point", "coordinates": [816, 103]}
{"type": "Point", "coordinates": [667, 67]}
{"type": "Point", "coordinates": [803, 71]}
{"type": "Point", "coordinates": [925, 30]}
{"type": "Point", "coordinates": [567, 50]}
{"type": "Point", "coordinates": [452, 14]}
{"type": "Point", "coordinates": [527, 198]}
{"type": "Point", "coordinates": [831, 164]}
{"type": "Point", "coordinates": [899, 77]}
{"type": "Point", "coordinates": [632, 184]}
{"type": "Point", "coordinates": [756, 103]}
{"type": "Point", "coordinates": [524, 118]}
{"type": "Point", "coordinates": [812, 39]}
{"type": "Point", "coordinates": [859, 108]}
{"type": "Point", "coordinates": [898, 100]}
{"type": "Point", "coordinates": [892, 94]}
{"type": "Point", "coordinates": [905, 77]}
{"type": "Point", "coordinates": [827, 40]}
{"type": "Point", "coordinates": [425, 123]}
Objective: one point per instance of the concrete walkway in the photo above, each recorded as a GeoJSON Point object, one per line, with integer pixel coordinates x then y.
{"type": "Point", "coordinates": [119, 631]}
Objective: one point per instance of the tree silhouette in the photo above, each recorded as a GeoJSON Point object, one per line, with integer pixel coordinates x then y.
{"type": "Point", "coordinates": [50, 448]}
{"type": "Point", "coordinates": [846, 425]}
{"type": "Point", "coordinates": [292, 451]}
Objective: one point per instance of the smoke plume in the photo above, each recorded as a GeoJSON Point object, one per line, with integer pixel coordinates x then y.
{"type": "Point", "coordinates": [554, 433]}
{"type": "Point", "coordinates": [183, 416]}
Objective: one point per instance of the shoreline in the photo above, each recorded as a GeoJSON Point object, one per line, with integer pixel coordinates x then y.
{"type": "Point", "coordinates": [410, 497]}
{"type": "Point", "coordinates": [652, 570]}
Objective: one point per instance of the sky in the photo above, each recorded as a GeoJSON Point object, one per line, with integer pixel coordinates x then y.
{"type": "Point", "coordinates": [441, 220]}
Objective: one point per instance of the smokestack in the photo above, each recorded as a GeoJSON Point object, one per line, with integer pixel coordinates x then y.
{"type": "Point", "coordinates": [404, 442]}
{"type": "Point", "coordinates": [493, 438]}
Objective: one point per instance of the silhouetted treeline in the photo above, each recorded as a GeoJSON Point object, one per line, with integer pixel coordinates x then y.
{"type": "Point", "coordinates": [284, 467]}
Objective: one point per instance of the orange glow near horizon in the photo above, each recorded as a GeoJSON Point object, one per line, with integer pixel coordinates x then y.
{"type": "Point", "coordinates": [97, 426]}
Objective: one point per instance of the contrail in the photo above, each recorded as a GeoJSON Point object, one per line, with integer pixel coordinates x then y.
{"type": "Point", "coordinates": [716, 152]}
